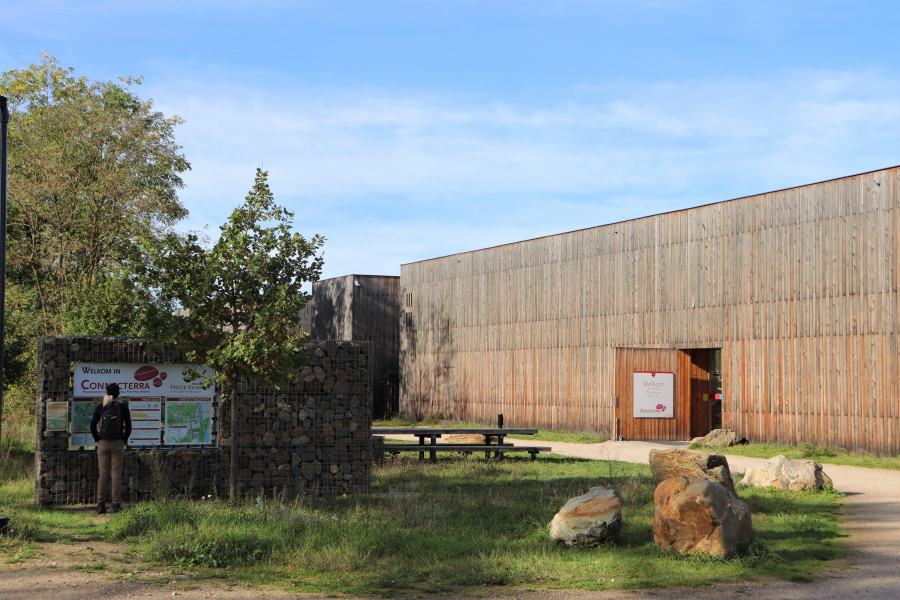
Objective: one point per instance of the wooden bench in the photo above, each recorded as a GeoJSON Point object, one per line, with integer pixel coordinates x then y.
{"type": "Point", "coordinates": [433, 449]}
{"type": "Point", "coordinates": [493, 441]}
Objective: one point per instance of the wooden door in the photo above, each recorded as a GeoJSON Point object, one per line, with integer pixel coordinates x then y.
{"type": "Point", "coordinates": [629, 360]}
{"type": "Point", "coordinates": [701, 417]}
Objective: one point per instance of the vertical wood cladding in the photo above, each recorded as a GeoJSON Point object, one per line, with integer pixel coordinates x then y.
{"type": "Point", "coordinates": [358, 307]}
{"type": "Point", "coordinates": [629, 360]}
{"type": "Point", "coordinates": [797, 287]}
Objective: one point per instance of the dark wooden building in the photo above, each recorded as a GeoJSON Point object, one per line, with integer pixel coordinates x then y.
{"type": "Point", "coordinates": [776, 313]}
{"type": "Point", "coordinates": [361, 308]}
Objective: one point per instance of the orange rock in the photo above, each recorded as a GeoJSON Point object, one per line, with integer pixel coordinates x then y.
{"type": "Point", "coordinates": [690, 463]}
{"type": "Point", "coordinates": [698, 515]}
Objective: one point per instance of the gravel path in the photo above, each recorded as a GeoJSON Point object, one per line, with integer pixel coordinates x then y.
{"type": "Point", "coordinates": [873, 520]}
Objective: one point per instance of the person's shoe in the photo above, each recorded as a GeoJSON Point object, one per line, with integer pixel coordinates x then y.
{"type": "Point", "coordinates": [116, 507]}
{"type": "Point", "coordinates": [101, 508]}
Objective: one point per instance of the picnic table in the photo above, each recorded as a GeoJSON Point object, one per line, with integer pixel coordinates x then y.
{"type": "Point", "coordinates": [493, 441]}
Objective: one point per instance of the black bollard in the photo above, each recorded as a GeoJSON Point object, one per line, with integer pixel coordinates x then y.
{"type": "Point", "coordinates": [500, 421]}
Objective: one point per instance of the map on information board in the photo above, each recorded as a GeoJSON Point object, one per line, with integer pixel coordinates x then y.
{"type": "Point", "coordinates": [82, 411]}
{"type": "Point", "coordinates": [188, 421]}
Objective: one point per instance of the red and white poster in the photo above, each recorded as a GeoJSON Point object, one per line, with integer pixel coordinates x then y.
{"type": "Point", "coordinates": [149, 391]}
{"type": "Point", "coordinates": [170, 380]}
{"type": "Point", "coordinates": [654, 395]}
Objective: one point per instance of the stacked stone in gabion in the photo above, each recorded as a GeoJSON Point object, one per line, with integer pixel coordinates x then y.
{"type": "Point", "coordinates": [312, 434]}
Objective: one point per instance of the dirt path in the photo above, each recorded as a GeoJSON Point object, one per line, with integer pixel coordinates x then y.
{"type": "Point", "coordinates": [66, 572]}
{"type": "Point", "coordinates": [873, 519]}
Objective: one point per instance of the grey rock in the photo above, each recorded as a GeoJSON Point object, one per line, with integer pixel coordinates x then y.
{"type": "Point", "coordinates": [787, 474]}
{"type": "Point", "coordinates": [717, 438]}
{"type": "Point", "coordinates": [589, 519]}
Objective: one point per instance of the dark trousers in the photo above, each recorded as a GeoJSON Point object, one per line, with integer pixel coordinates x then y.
{"type": "Point", "coordinates": [110, 456]}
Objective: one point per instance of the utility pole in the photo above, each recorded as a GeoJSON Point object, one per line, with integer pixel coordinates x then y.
{"type": "Point", "coordinates": [4, 121]}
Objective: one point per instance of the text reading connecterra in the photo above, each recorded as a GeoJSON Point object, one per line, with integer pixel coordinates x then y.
{"type": "Point", "coordinates": [126, 386]}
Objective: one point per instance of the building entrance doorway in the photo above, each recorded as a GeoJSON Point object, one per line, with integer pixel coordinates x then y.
{"type": "Point", "coordinates": [705, 390]}
{"type": "Point", "coordinates": [696, 393]}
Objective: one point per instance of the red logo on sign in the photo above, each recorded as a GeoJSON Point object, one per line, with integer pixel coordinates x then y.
{"type": "Point", "coordinates": [148, 372]}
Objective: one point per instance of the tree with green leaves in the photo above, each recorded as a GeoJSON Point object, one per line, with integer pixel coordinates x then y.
{"type": "Point", "coordinates": [242, 296]}
{"type": "Point", "coordinates": [94, 172]}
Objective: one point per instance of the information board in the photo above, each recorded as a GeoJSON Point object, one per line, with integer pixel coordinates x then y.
{"type": "Point", "coordinates": [144, 381]}
{"type": "Point", "coordinates": [82, 411]}
{"type": "Point", "coordinates": [654, 395]}
{"type": "Point", "coordinates": [170, 403]}
{"type": "Point", "coordinates": [188, 421]}
{"type": "Point", "coordinates": [57, 416]}
{"type": "Point", "coordinates": [146, 421]}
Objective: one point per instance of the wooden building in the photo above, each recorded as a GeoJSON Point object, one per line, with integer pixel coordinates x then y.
{"type": "Point", "coordinates": [776, 313]}
{"type": "Point", "coordinates": [361, 308]}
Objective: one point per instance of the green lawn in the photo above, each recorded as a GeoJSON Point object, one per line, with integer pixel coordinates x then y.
{"type": "Point", "coordinates": [430, 528]}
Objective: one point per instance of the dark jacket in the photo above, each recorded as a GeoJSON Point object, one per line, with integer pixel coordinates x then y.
{"type": "Point", "coordinates": [126, 418]}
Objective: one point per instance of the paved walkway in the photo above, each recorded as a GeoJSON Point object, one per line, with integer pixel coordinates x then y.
{"type": "Point", "coordinates": [873, 521]}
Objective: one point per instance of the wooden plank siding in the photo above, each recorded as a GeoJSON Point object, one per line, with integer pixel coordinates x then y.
{"type": "Point", "coordinates": [328, 311]}
{"type": "Point", "coordinates": [341, 310]}
{"type": "Point", "coordinates": [629, 360]}
{"type": "Point", "coordinates": [797, 287]}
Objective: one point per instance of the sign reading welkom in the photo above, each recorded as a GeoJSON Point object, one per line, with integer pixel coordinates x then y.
{"type": "Point", "coordinates": [170, 391]}
{"type": "Point", "coordinates": [144, 381]}
{"type": "Point", "coordinates": [654, 395]}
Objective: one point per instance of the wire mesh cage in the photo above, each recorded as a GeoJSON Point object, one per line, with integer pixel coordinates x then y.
{"type": "Point", "coordinates": [311, 434]}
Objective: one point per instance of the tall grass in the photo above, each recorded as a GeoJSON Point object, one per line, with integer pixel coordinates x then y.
{"type": "Point", "coordinates": [468, 522]}
{"type": "Point", "coordinates": [17, 479]}
{"type": "Point", "coordinates": [16, 450]}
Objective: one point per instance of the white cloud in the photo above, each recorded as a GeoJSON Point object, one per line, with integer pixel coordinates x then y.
{"type": "Point", "coordinates": [403, 164]}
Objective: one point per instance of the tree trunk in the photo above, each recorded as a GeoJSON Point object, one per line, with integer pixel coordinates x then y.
{"type": "Point", "coordinates": [232, 468]}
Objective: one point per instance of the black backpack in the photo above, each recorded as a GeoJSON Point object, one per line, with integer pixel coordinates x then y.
{"type": "Point", "coordinates": [111, 424]}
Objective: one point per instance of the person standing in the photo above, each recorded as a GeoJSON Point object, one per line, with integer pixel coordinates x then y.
{"type": "Point", "coordinates": [111, 428]}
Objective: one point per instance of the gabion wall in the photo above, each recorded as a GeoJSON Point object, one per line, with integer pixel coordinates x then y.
{"type": "Point", "coordinates": [313, 435]}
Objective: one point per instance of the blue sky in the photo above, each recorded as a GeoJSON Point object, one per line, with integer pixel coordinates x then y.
{"type": "Point", "coordinates": [402, 130]}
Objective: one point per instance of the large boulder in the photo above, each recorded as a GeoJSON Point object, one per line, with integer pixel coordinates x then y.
{"type": "Point", "coordinates": [717, 438]}
{"type": "Point", "coordinates": [677, 462]}
{"type": "Point", "coordinates": [698, 515]}
{"type": "Point", "coordinates": [588, 519]}
{"type": "Point", "coordinates": [787, 474]}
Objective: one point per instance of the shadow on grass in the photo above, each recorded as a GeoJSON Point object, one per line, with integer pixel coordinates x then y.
{"type": "Point", "coordinates": [433, 527]}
